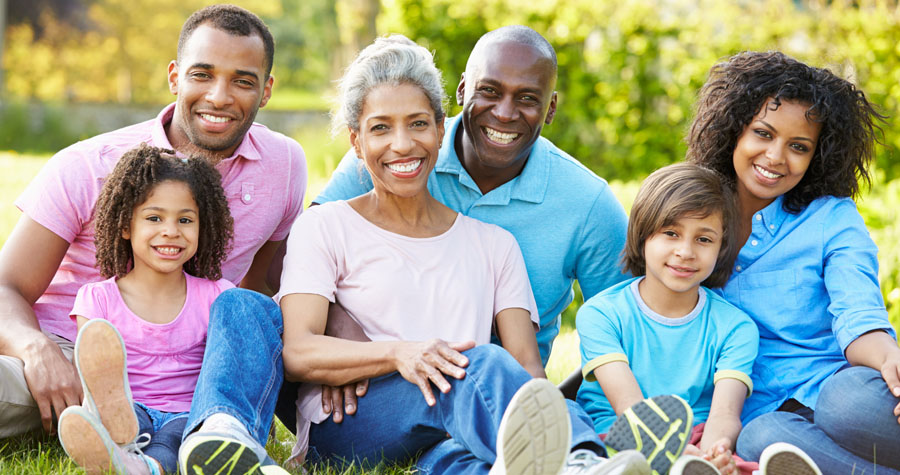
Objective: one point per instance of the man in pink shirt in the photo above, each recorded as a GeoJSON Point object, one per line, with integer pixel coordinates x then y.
{"type": "Point", "coordinates": [221, 78]}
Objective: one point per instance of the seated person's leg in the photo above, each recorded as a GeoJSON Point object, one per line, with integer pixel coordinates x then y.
{"type": "Point", "coordinates": [18, 411]}
{"type": "Point", "coordinates": [239, 382]}
{"type": "Point", "coordinates": [856, 410]}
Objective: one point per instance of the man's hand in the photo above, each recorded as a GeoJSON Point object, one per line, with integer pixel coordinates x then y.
{"type": "Point", "coordinates": [52, 380]}
{"type": "Point", "coordinates": [343, 400]}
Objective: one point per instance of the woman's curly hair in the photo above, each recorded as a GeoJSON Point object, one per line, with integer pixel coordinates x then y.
{"type": "Point", "coordinates": [737, 90]}
{"type": "Point", "coordinates": [130, 184]}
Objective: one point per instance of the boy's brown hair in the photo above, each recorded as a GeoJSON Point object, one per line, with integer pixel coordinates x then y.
{"type": "Point", "coordinates": [675, 191]}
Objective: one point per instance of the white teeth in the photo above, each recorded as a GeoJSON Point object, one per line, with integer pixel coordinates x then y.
{"type": "Point", "coordinates": [213, 118]}
{"type": "Point", "coordinates": [404, 167]}
{"type": "Point", "coordinates": [168, 250]}
{"type": "Point", "coordinates": [500, 137]}
{"type": "Point", "coordinates": [766, 173]}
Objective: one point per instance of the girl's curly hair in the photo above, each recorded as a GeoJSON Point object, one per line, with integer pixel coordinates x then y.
{"type": "Point", "coordinates": [737, 90]}
{"type": "Point", "coordinates": [130, 184]}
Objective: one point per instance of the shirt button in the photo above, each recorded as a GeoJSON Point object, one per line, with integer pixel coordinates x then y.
{"type": "Point", "coordinates": [738, 268]}
{"type": "Point", "coordinates": [247, 197]}
{"type": "Point", "coordinates": [759, 217]}
{"type": "Point", "coordinates": [754, 242]}
{"type": "Point", "coordinates": [771, 226]}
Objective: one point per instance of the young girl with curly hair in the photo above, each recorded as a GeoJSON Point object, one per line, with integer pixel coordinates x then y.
{"type": "Point", "coordinates": [796, 141]}
{"type": "Point", "coordinates": [162, 231]}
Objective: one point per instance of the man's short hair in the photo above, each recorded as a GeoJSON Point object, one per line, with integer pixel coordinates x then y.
{"type": "Point", "coordinates": [233, 20]}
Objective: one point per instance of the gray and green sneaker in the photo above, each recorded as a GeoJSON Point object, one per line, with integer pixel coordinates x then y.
{"type": "Point", "coordinates": [658, 427]}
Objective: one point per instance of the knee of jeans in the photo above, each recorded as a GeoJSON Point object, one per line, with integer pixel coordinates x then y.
{"type": "Point", "coordinates": [244, 305]}
{"type": "Point", "coordinates": [754, 437]}
{"type": "Point", "coordinates": [858, 387]}
{"type": "Point", "coordinates": [490, 354]}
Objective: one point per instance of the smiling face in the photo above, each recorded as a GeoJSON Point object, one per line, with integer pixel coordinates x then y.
{"type": "Point", "coordinates": [773, 152]}
{"type": "Point", "coordinates": [165, 228]}
{"type": "Point", "coordinates": [221, 83]}
{"type": "Point", "coordinates": [680, 256]}
{"type": "Point", "coordinates": [398, 139]}
{"type": "Point", "coordinates": [507, 97]}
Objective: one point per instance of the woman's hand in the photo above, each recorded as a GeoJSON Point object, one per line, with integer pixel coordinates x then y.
{"type": "Point", "coordinates": [421, 362]}
{"type": "Point", "coordinates": [890, 371]}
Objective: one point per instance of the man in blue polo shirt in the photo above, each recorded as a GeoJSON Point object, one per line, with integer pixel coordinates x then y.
{"type": "Point", "coordinates": [494, 166]}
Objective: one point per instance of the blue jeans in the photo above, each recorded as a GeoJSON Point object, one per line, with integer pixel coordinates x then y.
{"type": "Point", "coordinates": [853, 429]}
{"type": "Point", "coordinates": [165, 430]}
{"type": "Point", "coordinates": [457, 435]}
{"type": "Point", "coordinates": [242, 369]}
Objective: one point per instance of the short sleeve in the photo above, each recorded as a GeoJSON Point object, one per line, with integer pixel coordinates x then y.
{"type": "Point", "coordinates": [512, 288]}
{"type": "Point", "coordinates": [61, 197]}
{"type": "Point", "coordinates": [91, 302]}
{"type": "Point", "coordinates": [735, 359]}
{"type": "Point", "coordinates": [349, 180]}
{"type": "Point", "coordinates": [600, 336]}
{"type": "Point", "coordinates": [851, 276]}
{"type": "Point", "coordinates": [296, 189]}
{"type": "Point", "coordinates": [598, 263]}
{"type": "Point", "coordinates": [310, 265]}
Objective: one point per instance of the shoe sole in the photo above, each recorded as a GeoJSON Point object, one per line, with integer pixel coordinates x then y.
{"type": "Point", "coordinates": [100, 357]}
{"type": "Point", "coordinates": [786, 459]}
{"type": "Point", "coordinates": [657, 427]}
{"type": "Point", "coordinates": [221, 457]}
{"type": "Point", "coordinates": [83, 443]}
{"type": "Point", "coordinates": [535, 433]}
{"type": "Point", "coordinates": [694, 466]}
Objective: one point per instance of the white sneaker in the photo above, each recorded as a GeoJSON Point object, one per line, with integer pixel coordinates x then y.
{"type": "Point", "coordinates": [782, 458]}
{"type": "Point", "coordinates": [626, 462]}
{"type": "Point", "coordinates": [535, 433]}
{"type": "Point", "coordinates": [693, 465]}
{"type": "Point", "coordinates": [222, 445]}
{"type": "Point", "coordinates": [88, 443]}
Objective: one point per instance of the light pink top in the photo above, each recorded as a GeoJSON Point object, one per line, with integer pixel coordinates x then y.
{"type": "Point", "coordinates": [396, 287]}
{"type": "Point", "coordinates": [163, 359]}
{"type": "Point", "coordinates": [264, 183]}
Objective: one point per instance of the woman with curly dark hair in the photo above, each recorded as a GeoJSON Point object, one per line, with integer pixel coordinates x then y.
{"type": "Point", "coordinates": [795, 142]}
{"type": "Point", "coordinates": [163, 229]}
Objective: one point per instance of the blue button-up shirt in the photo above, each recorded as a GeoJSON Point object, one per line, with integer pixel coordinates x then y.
{"type": "Point", "coordinates": [810, 282]}
{"type": "Point", "coordinates": [567, 221]}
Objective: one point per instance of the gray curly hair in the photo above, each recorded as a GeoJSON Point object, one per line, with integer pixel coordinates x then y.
{"type": "Point", "coordinates": [393, 59]}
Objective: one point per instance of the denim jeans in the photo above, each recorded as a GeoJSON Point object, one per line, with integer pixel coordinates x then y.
{"type": "Point", "coordinates": [242, 369]}
{"type": "Point", "coordinates": [853, 429]}
{"type": "Point", "coordinates": [457, 435]}
{"type": "Point", "coordinates": [165, 430]}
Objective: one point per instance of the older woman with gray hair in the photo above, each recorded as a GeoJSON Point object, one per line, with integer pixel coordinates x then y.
{"type": "Point", "coordinates": [427, 287]}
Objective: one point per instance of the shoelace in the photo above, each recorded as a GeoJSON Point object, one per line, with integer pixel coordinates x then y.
{"type": "Point", "coordinates": [135, 447]}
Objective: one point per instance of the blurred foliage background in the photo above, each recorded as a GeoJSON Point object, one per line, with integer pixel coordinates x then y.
{"type": "Point", "coordinates": [629, 70]}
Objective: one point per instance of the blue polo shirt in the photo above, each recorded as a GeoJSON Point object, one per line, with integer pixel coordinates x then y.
{"type": "Point", "coordinates": [810, 282]}
{"type": "Point", "coordinates": [565, 218]}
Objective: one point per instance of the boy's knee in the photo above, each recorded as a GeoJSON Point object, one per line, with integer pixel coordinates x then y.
{"type": "Point", "coordinates": [242, 305]}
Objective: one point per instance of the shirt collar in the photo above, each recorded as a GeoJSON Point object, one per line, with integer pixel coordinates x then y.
{"type": "Point", "coordinates": [530, 185]}
{"type": "Point", "coordinates": [773, 215]}
{"type": "Point", "coordinates": [246, 149]}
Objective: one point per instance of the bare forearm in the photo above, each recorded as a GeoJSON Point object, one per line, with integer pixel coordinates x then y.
{"type": "Point", "coordinates": [21, 332]}
{"type": "Point", "coordinates": [718, 428]}
{"type": "Point", "coordinates": [872, 349]}
{"type": "Point", "coordinates": [334, 361]}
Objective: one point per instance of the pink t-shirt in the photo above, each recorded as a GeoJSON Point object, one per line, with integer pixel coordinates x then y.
{"type": "Point", "coordinates": [264, 183]}
{"type": "Point", "coordinates": [396, 287]}
{"type": "Point", "coordinates": [163, 359]}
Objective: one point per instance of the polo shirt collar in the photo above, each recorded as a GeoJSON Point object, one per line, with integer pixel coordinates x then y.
{"type": "Point", "coordinates": [773, 215]}
{"type": "Point", "coordinates": [530, 185]}
{"type": "Point", "coordinates": [246, 149]}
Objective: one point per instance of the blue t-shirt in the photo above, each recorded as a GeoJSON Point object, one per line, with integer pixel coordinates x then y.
{"type": "Point", "coordinates": [565, 218]}
{"type": "Point", "coordinates": [810, 282]}
{"type": "Point", "coordinates": [684, 356]}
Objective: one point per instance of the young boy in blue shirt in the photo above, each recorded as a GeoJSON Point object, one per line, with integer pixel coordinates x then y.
{"type": "Point", "coordinates": [662, 332]}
